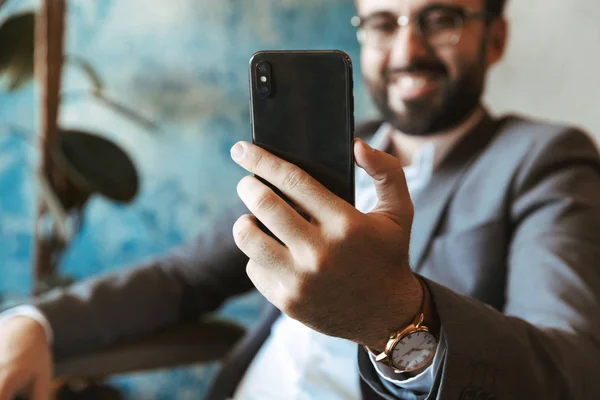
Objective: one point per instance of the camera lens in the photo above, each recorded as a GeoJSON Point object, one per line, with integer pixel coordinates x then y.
{"type": "Point", "coordinates": [262, 68]}
{"type": "Point", "coordinates": [263, 79]}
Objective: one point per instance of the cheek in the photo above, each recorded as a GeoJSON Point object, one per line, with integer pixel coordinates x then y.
{"type": "Point", "coordinates": [460, 59]}
{"type": "Point", "coordinates": [452, 60]}
{"type": "Point", "coordinates": [371, 64]}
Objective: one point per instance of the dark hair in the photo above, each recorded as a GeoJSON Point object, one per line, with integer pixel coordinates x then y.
{"type": "Point", "coordinates": [495, 7]}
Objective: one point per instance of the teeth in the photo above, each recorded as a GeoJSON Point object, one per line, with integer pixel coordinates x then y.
{"type": "Point", "coordinates": [409, 82]}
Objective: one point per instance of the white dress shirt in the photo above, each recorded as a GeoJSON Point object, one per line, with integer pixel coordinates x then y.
{"type": "Point", "coordinates": [297, 363]}
{"type": "Point", "coordinates": [31, 312]}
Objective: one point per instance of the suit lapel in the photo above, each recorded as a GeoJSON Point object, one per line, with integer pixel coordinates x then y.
{"type": "Point", "coordinates": [431, 202]}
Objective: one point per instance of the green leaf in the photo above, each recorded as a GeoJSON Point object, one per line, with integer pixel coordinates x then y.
{"type": "Point", "coordinates": [16, 50]}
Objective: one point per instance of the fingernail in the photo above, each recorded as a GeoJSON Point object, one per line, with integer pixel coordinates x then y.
{"type": "Point", "coordinates": [365, 145]}
{"type": "Point", "coordinates": [237, 151]}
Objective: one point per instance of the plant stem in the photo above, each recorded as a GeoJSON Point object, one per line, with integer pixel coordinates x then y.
{"type": "Point", "coordinates": [49, 54]}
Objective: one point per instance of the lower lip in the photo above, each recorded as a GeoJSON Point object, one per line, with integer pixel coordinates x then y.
{"type": "Point", "coordinates": [413, 93]}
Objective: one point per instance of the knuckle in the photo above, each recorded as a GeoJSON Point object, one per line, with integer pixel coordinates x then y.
{"type": "Point", "coordinates": [266, 201]}
{"type": "Point", "coordinates": [291, 304]}
{"type": "Point", "coordinates": [259, 161]}
{"type": "Point", "coordinates": [394, 176]}
{"type": "Point", "coordinates": [347, 228]}
{"type": "Point", "coordinates": [293, 179]}
{"type": "Point", "coordinates": [396, 172]}
{"type": "Point", "coordinates": [317, 260]}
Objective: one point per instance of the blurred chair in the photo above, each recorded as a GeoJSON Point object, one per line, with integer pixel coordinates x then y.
{"type": "Point", "coordinates": [184, 345]}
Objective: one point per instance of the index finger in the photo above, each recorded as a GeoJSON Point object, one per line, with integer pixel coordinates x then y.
{"type": "Point", "coordinates": [304, 190]}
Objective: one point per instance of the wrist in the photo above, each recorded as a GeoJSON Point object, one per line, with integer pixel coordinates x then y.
{"type": "Point", "coordinates": [411, 347]}
{"type": "Point", "coordinates": [410, 303]}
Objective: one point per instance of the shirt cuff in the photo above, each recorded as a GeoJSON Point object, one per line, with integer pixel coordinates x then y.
{"type": "Point", "coordinates": [30, 312]}
{"type": "Point", "coordinates": [421, 383]}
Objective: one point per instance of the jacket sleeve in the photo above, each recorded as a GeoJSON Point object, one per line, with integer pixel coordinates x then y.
{"type": "Point", "coordinates": [181, 285]}
{"type": "Point", "coordinates": [545, 342]}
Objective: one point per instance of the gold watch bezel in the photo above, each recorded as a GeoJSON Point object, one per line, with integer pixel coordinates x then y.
{"type": "Point", "coordinates": [397, 337]}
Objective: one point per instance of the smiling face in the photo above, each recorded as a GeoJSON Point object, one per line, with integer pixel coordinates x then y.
{"type": "Point", "coordinates": [422, 81]}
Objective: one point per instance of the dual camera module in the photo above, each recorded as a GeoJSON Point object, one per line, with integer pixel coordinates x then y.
{"type": "Point", "coordinates": [263, 79]}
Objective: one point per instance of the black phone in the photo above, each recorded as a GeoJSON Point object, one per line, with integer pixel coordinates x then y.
{"type": "Point", "coordinates": [302, 110]}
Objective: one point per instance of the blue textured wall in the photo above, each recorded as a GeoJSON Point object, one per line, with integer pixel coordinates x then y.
{"type": "Point", "coordinates": [183, 64]}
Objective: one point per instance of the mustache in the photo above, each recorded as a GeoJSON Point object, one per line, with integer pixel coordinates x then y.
{"type": "Point", "coordinates": [423, 66]}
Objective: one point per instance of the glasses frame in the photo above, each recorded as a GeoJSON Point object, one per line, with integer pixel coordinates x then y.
{"type": "Point", "coordinates": [464, 14]}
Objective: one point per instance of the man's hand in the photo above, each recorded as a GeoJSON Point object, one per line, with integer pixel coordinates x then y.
{"type": "Point", "coordinates": [25, 360]}
{"type": "Point", "coordinates": [344, 273]}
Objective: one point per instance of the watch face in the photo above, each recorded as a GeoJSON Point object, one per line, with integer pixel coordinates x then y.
{"type": "Point", "coordinates": [414, 351]}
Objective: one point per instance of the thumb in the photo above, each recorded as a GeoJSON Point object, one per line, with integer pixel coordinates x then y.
{"type": "Point", "coordinates": [41, 388]}
{"type": "Point", "coordinates": [390, 182]}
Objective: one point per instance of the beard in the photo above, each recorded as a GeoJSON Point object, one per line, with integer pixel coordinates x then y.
{"type": "Point", "coordinates": [454, 103]}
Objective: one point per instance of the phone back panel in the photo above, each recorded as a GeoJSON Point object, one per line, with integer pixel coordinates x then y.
{"type": "Point", "coordinates": [308, 116]}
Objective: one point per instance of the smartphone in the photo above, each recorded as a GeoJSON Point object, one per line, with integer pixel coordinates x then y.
{"type": "Point", "coordinates": [302, 110]}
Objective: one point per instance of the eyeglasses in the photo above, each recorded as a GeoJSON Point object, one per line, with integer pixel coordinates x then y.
{"type": "Point", "coordinates": [437, 25]}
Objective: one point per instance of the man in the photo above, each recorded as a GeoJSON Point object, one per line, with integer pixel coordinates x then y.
{"type": "Point", "coordinates": [503, 254]}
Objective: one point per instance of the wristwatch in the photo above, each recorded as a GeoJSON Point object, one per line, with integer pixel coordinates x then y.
{"type": "Point", "coordinates": [412, 348]}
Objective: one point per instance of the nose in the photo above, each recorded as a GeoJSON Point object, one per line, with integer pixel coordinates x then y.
{"type": "Point", "coordinates": [407, 46]}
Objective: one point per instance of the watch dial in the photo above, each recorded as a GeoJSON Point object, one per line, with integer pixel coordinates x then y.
{"type": "Point", "coordinates": [414, 351]}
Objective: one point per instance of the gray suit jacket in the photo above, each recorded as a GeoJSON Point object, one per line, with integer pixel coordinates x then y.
{"type": "Point", "coordinates": [506, 234]}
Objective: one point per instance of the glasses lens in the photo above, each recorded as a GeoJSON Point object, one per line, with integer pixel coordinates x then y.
{"type": "Point", "coordinates": [441, 27]}
{"type": "Point", "coordinates": [378, 31]}
{"type": "Point", "coordinates": [438, 27]}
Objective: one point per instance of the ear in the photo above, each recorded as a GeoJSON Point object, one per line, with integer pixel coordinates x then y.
{"type": "Point", "coordinates": [497, 39]}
